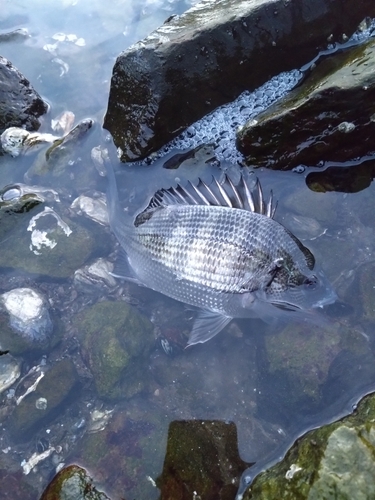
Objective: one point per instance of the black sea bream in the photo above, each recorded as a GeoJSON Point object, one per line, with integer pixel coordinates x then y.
{"type": "Point", "coordinates": [217, 247]}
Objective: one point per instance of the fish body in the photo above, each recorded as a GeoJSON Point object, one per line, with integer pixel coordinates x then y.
{"type": "Point", "coordinates": [217, 248]}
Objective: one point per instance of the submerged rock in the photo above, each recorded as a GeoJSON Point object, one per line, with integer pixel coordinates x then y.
{"type": "Point", "coordinates": [16, 141]}
{"type": "Point", "coordinates": [116, 342]}
{"type": "Point", "coordinates": [133, 440]}
{"type": "Point", "coordinates": [206, 57]}
{"type": "Point", "coordinates": [28, 313]}
{"type": "Point", "coordinates": [335, 461]}
{"type": "Point", "coordinates": [328, 118]}
{"type": "Point", "coordinates": [10, 371]}
{"type": "Point", "coordinates": [202, 461]}
{"type": "Point", "coordinates": [60, 155]}
{"type": "Point", "coordinates": [57, 386]}
{"type": "Point", "coordinates": [50, 244]}
{"type": "Point", "coordinates": [72, 483]}
{"type": "Point", "coordinates": [20, 104]}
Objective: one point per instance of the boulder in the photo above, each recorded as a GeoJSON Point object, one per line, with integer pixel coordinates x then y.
{"type": "Point", "coordinates": [206, 57]}
{"type": "Point", "coordinates": [328, 118]}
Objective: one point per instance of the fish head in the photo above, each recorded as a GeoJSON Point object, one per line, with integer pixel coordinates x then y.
{"type": "Point", "coordinates": [294, 288]}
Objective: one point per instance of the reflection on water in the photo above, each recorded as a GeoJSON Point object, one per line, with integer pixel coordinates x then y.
{"type": "Point", "coordinates": [113, 376]}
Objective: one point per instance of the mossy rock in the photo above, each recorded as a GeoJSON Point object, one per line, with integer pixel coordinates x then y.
{"type": "Point", "coordinates": [72, 483]}
{"type": "Point", "coordinates": [116, 342]}
{"type": "Point", "coordinates": [334, 462]}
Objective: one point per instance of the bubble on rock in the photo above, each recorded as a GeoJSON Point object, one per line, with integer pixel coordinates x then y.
{"type": "Point", "coordinates": [28, 313]}
{"type": "Point", "coordinates": [225, 120]}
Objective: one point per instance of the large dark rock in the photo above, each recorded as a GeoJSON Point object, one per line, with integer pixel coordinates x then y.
{"type": "Point", "coordinates": [20, 104]}
{"type": "Point", "coordinates": [208, 56]}
{"type": "Point", "coordinates": [202, 461]}
{"type": "Point", "coordinates": [328, 118]}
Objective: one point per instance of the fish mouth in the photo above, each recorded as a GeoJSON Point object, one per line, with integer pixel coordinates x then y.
{"type": "Point", "coordinates": [327, 300]}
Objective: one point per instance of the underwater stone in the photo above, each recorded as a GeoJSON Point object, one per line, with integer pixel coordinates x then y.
{"type": "Point", "coordinates": [94, 208]}
{"type": "Point", "coordinates": [20, 104]}
{"type": "Point", "coordinates": [335, 461]}
{"type": "Point", "coordinates": [10, 371]}
{"type": "Point", "coordinates": [28, 313]}
{"type": "Point", "coordinates": [116, 342]}
{"type": "Point", "coordinates": [303, 357]}
{"type": "Point", "coordinates": [72, 483]}
{"type": "Point", "coordinates": [58, 387]}
{"type": "Point", "coordinates": [202, 461]}
{"type": "Point", "coordinates": [206, 57]}
{"type": "Point", "coordinates": [51, 245]}
{"type": "Point", "coordinates": [327, 118]}
{"type": "Point", "coordinates": [97, 273]}
{"type": "Point", "coordinates": [57, 159]}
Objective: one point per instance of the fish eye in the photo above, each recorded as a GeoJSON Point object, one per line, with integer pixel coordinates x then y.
{"type": "Point", "coordinates": [311, 282]}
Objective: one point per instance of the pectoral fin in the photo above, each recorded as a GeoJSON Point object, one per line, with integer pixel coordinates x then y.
{"type": "Point", "coordinates": [207, 325]}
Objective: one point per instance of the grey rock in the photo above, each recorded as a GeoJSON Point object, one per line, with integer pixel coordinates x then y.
{"type": "Point", "coordinates": [209, 55]}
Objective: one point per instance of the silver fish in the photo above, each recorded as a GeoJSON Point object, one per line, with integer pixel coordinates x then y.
{"type": "Point", "coordinates": [217, 248]}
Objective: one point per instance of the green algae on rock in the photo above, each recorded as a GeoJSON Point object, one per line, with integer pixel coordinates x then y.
{"type": "Point", "coordinates": [72, 483]}
{"type": "Point", "coordinates": [333, 462]}
{"type": "Point", "coordinates": [116, 342]}
{"type": "Point", "coordinates": [312, 124]}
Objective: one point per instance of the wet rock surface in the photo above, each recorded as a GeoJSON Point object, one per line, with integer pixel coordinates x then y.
{"type": "Point", "coordinates": [72, 483]}
{"type": "Point", "coordinates": [335, 461]}
{"type": "Point", "coordinates": [206, 57]}
{"type": "Point", "coordinates": [20, 104]}
{"type": "Point", "coordinates": [329, 118]}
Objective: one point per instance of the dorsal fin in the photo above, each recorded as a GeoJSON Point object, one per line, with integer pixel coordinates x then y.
{"type": "Point", "coordinates": [224, 194]}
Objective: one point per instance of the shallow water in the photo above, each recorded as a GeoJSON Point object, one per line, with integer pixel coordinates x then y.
{"type": "Point", "coordinates": [273, 382]}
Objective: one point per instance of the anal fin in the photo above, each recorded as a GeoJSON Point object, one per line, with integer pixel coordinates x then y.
{"type": "Point", "coordinates": [207, 324]}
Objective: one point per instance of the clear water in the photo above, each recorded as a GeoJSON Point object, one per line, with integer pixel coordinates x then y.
{"type": "Point", "coordinates": [272, 383]}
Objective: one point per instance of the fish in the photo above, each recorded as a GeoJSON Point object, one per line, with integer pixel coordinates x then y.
{"type": "Point", "coordinates": [217, 248]}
